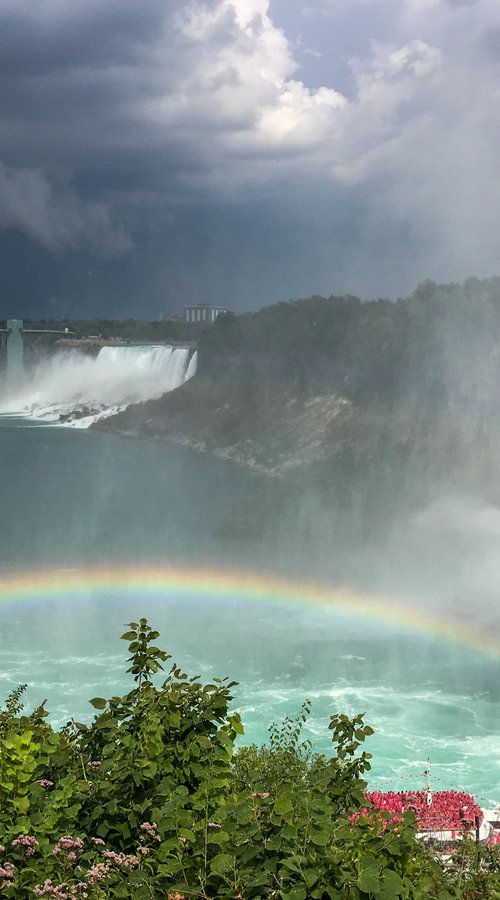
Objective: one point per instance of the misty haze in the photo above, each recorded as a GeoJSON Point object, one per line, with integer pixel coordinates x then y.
{"type": "Point", "coordinates": [324, 442]}
{"type": "Point", "coordinates": [250, 391]}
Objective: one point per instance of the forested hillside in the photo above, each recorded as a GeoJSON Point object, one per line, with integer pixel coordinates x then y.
{"type": "Point", "coordinates": [439, 346]}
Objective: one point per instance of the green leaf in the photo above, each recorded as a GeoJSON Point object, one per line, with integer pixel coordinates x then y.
{"type": "Point", "coordinates": [368, 883]}
{"type": "Point", "coordinates": [244, 815]}
{"type": "Point", "coordinates": [98, 702]}
{"type": "Point", "coordinates": [104, 721]}
{"type": "Point", "coordinates": [22, 804]}
{"type": "Point", "coordinates": [298, 893]}
{"type": "Point", "coordinates": [283, 806]}
{"type": "Point", "coordinates": [311, 876]}
{"type": "Point", "coordinates": [188, 834]}
{"type": "Point", "coordinates": [391, 881]}
{"type": "Point", "coordinates": [290, 864]}
{"type": "Point", "coordinates": [320, 838]}
{"type": "Point", "coordinates": [128, 636]}
{"type": "Point", "coordinates": [142, 892]}
{"type": "Point", "coordinates": [217, 837]}
{"type": "Point", "coordinates": [72, 811]}
{"type": "Point", "coordinates": [223, 862]}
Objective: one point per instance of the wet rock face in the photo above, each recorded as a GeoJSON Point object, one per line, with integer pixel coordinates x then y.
{"type": "Point", "coordinates": [80, 412]}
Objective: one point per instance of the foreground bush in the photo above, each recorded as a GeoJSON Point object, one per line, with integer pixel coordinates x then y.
{"type": "Point", "coordinates": [152, 801]}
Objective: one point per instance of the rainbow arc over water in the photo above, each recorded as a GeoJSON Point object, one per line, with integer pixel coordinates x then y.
{"type": "Point", "coordinates": [219, 584]}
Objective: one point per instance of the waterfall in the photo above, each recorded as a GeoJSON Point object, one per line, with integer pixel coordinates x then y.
{"type": "Point", "coordinates": [73, 388]}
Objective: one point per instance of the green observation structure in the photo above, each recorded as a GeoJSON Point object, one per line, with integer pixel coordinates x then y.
{"type": "Point", "coordinates": [15, 360]}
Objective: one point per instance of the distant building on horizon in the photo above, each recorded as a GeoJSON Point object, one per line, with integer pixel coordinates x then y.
{"type": "Point", "coordinates": [203, 312]}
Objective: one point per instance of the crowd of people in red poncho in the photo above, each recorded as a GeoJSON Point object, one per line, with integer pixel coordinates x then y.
{"type": "Point", "coordinates": [439, 811]}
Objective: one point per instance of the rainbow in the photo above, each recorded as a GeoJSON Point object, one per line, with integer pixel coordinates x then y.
{"type": "Point", "coordinates": [209, 584]}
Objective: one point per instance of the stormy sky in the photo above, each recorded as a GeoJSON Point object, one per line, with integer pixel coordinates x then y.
{"type": "Point", "coordinates": [242, 152]}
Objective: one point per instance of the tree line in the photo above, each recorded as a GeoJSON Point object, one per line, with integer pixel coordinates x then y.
{"type": "Point", "coordinates": [436, 350]}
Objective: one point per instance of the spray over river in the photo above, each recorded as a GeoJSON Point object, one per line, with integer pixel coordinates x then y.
{"type": "Point", "coordinates": [97, 529]}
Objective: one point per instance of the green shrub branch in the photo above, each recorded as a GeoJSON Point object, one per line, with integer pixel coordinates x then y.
{"type": "Point", "coordinates": [152, 799]}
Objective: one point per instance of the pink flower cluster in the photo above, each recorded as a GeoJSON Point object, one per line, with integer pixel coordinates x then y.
{"type": "Point", "coordinates": [68, 846]}
{"type": "Point", "coordinates": [98, 873]}
{"type": "Point", "coordinates": [71, 847]}
{"type": "Point", "coordinates": [440, 811]}
{"type": "Point", "coordinates": [123, 860]}
{"type": "Point", "coordinates": [103, 870]}
{"type": "Point", "coordinates": [6, 875]}
{"type": "Point", "coordinates": [68, 849]}
{"type": "Point", "coordinates": [61, 891]}
{"type": "Point", "coordinates": [26, 844]}
{"type": "Point", "coordinates": [150, 829]}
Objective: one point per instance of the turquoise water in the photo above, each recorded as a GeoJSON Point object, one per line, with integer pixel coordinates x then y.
{"type": "Point", "coordinates": [83, 498]}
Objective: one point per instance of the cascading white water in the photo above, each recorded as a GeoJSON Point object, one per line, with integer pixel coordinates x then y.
{"type": "Point", "coordinates": [76, 389]}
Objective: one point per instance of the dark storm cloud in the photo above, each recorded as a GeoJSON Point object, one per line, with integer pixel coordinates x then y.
{"type": "Point", "coordinates": [39, 41]}
{"type": "Point", "coordinates": [154, 155]}
{"type": "Point", "coordinates": [57, 219]}
{"type": "Point", "coordinates": [85, 67]}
